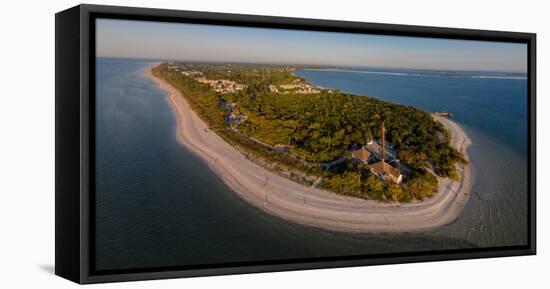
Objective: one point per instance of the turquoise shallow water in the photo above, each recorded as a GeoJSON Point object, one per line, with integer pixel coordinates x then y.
{"type": "Point", "coordinates": [159, 205]}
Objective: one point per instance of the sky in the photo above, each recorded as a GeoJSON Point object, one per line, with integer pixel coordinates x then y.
{"type": "Point", "coordinates": [214, 43]}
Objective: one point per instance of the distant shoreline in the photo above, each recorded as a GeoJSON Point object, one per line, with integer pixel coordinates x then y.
{"type": "Point", "coordinates": [311, 206]}
{"type": "Point", "coordinates": [417, 74]}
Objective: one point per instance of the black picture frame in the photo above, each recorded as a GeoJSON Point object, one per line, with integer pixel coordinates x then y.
{"type": "Point", "coordinates": [74, 149]}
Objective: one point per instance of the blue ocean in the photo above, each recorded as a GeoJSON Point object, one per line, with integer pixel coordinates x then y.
{"type": "Point", "coordinates": [158, 205]}
{"type": "Point", "coordinates": [493, 103]}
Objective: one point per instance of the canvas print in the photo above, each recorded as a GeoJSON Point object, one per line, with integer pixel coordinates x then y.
{"type": "Point", "coordinates": [231, 145]}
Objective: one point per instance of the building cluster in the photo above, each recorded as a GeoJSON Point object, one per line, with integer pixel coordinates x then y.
{"type": "Point", "coordinates": [191, 73]}
{"type": "Point", "coordinates": [233, 116]}
{"type": "Point", "coordinates": [222, 85]}
{"type": "Point", "coordinates": [219, 85]}
{"type": "Point", "coordinates": [174, 67]}
{"type": "Point", "coordinates": [296, 87]}
{"type": "Point", "coordinates": [381, 159]}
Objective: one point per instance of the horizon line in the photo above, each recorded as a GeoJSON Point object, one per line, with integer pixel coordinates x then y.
{"type": "Point", "coordinates": [305, 64]}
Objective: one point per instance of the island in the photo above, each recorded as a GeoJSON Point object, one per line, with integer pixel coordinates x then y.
{"type": "Point", "coordinates": [316, 155]}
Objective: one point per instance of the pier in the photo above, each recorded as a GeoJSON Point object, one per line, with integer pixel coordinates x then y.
{"type": "Point", "coordinates": [443, 113]}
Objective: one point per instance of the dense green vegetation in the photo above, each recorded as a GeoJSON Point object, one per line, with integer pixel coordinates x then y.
{"type": "Point", "coordinates": [321, 127]}
{"type": "Point", "coordinates": [206, 103]}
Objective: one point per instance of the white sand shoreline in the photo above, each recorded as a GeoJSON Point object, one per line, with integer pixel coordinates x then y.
{"type": "Point", "coordinates": [311, 206]}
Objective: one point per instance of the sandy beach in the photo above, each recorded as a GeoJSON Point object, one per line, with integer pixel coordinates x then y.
{"type": "Point", "coordinates": [311, 206]}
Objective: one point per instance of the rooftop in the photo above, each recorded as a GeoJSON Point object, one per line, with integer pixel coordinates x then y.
{"type": "Point", "coordinates": [361, 154]}
{"type": "Point", "coordinates": [375, 148]}
{"type": "Point", "coordinates": [384, 169]}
